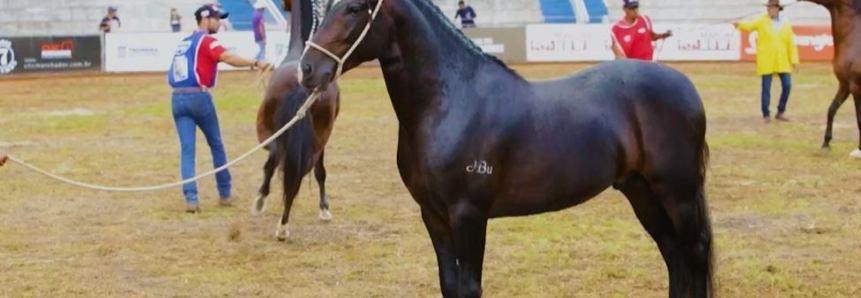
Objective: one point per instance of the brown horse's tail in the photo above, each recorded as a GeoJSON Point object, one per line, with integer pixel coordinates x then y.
{"type": "Point", "coordinates": [295, 148]}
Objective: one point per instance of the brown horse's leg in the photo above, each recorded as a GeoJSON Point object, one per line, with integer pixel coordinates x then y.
{"type": "Point", "coordinates": [292, 182]}
{"type": "Point", "coordinates": [269, 168]}
{"type": "Point", "coordinates": [684, 201]}
{"type": "Point", "coordinates": [442, 237]}
{"type": "Point", "coordinates": [842, 95]}
{"type": "Point", "coordinates": [320, 175]}
{"type": "Point", "coordinates": [657, 223]}
{"type": "Point", "coordinates": [857, 97]}
{"type": "Point", "coordinates": [470, 232]}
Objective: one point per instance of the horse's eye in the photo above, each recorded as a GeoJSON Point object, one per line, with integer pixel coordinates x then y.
{"type": "Point", "coordinates": [354, 9]}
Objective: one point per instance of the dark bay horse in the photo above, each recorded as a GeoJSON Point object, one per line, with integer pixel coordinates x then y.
{"type": "Point", "coordinates": [301, 148]}
{"type": "Point", "coordinates": [477, 141]}
{"type": "Point", "coordinates": [846, 28]}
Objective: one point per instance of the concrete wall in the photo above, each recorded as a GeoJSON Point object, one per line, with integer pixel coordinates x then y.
{"type": "Point", "coordinates": [497, 13]}
{"type": "Point", "coordinates": [81, 17]}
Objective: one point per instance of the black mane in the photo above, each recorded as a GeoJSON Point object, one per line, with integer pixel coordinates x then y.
{"type": "Point", "coordinates": [433, 12]}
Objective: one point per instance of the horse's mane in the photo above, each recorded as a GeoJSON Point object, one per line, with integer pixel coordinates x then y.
{"type": "Point", "coordinates": [431, 10]}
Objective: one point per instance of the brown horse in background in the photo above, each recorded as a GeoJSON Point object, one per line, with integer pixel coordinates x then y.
{"type": "Point", "coordinates": [301, 148]}
{"type": "Point", "coordinates": [846, 28]}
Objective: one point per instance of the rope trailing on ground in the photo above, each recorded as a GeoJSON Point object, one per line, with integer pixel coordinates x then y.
{"type": "Point", "coordinates": [299, 116]}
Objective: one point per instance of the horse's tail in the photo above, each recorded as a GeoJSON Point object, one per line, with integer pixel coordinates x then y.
{"type": "Point", "coordinates": [295, 148]}
{"type": "Point", "coordinates": [705, 228]}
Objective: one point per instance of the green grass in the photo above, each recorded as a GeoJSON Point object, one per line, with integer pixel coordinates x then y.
{"type": "Point", "coordinates": [787, 218]}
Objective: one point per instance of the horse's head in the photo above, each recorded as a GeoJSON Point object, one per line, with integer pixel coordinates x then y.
{"type": "Point", "coordinates": [353, 31]}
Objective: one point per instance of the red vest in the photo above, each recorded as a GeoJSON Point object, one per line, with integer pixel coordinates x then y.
{"type": "Point", "coordinates": [635, 39]}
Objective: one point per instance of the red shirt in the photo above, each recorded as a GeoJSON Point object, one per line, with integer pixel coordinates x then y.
{"type": "Point", "coordinates": [208, 55]}
{"type": "Point", "coordinates": [635, 40]}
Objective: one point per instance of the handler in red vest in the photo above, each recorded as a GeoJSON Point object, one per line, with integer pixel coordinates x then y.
{"type": "Point", "coordinates": [633, 35]}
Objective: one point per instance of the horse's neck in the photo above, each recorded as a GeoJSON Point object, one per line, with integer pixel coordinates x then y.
{"type": "Point", "coordinates": [427, 67]}
{"type": "Point", "coordinates": [300, 28]}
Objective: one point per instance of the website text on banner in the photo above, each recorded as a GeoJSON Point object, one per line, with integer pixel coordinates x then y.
{"type": "Point", "coordinates": [154, 52]}
{"type": "Point", "coordinates": [815, 43]}
{"type": "Point", "coordinates": [588, 43]}
{"type": "Point", "coordinates": [49, 54]}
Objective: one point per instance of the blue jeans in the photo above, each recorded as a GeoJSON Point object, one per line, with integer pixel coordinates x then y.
{"type": "Point", "coordinates": [786, 84]}
{"type": "Point", "coordinates": [261, 55]}
{"type": "Point", "coordinates": [191, 110]}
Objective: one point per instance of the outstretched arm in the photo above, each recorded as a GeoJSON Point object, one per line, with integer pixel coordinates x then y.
{"type": "Point", "coordinates": [665, 35]}
{"type": "Point", "coordinates": [237, 61]}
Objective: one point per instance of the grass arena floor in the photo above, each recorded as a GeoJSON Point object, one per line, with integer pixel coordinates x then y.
{"type": "Point", "coordinates": [787, 218]}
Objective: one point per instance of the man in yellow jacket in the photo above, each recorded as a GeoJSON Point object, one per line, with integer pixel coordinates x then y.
{"type": "Point", "coordinates": [776, 54]}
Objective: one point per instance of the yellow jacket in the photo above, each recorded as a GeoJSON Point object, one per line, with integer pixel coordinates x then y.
{"type": "Point", "coordinates": [775, 48]}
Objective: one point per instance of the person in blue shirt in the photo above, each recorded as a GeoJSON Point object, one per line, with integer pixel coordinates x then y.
{"type": "Point", "coordinates": [466, 15]}
{"type": "Point", "coordinates": [259, 24]}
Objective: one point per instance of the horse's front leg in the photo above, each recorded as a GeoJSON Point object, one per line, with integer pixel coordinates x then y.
{"type": "Point", "coordinates": [470, 231]}
{"type": "Point", "coordinates": [442, 237]}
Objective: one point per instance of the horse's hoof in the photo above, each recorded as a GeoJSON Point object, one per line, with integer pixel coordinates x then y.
{"type": "Point", "coordinates": [259, 205]}
{"type": "Point", "coordinates": [856, 154]}
{"type": "Point", "coordinates": [325, 215]}
{"type": "Point", "coordinates": [825, 150]}
{"type": "Point", "coordinates": [282, 232]}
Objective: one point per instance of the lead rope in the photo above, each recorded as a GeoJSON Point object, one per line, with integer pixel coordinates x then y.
{"type": "Point", "coordinates": [299, 116]}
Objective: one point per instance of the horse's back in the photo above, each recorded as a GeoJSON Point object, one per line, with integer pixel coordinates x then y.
{"type": "Point", "coordinates": [642, 109]}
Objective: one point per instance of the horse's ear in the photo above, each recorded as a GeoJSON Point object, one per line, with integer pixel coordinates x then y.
{"type": "Point", "coordinates": [372, 4]}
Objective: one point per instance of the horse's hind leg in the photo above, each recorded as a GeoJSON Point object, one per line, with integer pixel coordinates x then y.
{"type": "Point", "coordinates": [320, 175]}
{"type": "Point", "coordinates": [857, 152]}
{"type": "Point", "coordinates": [842, 95]}
{"type": "Point", "coordinates": [292, 182]}
{"type": "Point", "coordinates": [683, 198]}
{"type": "Point", "coordinates": [657, 223]}
{"type": "Point", "coordinates": [260, 204]}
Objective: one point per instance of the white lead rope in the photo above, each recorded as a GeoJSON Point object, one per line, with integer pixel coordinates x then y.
{"type": "Point", "coordinates": [299, 116]}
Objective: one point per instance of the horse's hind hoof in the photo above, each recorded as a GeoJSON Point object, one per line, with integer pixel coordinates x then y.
{"type": "Point", "coordinates": [282, 232]}
{"type": "Point", "coordinates": [259, 205]}
{"type": "Point", "coordinates": [856, 154]}
{"type": "Point", "coordinates": [825, 150]}
{"type": "Point", "coordinates": [325, 215]}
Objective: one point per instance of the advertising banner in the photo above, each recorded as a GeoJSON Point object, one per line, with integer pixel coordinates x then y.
{"type": "Point", "coordinates": [698, 43]}
{"type": "Point", "coordinates": [49, 54]}
{"type": "Point", "coordinates": [507, 44]}
{"type": "Point", "coordinates": [568, 43]}
{"type": "Point", "coordinates": [153, 52]}
{"type": "Point", "coordinates": [815, 43]}
{"type": "Point", "coordinates": [588, 43]}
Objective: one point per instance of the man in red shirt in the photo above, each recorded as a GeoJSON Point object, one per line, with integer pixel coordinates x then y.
{"type": "Point", "coordinates": [633, 35]}
{"type": "Point", "coordinates": [193, 71]}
